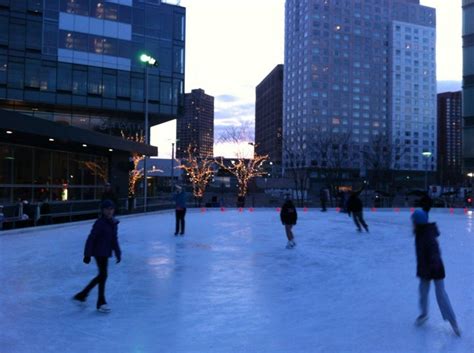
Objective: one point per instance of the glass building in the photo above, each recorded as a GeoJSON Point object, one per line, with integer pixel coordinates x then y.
{"type": "Point", "coordinates": [357, 72]}
{"type": "Point", "coordinates": [70, 73]}
{"type": "Point", "coordinates": [468, 84]}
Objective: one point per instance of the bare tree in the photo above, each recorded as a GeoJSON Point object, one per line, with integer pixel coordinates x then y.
{"type": "Point", "coordinates": [296, 165]}
{"type": "Point", "coordinates": [238, 138]}
{"type": "Point", "coordinates": [199, 171]}
{"type": "Point", "coordinates": [382, 157]}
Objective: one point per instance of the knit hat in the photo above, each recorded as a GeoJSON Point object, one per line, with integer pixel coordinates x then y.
{"type": "Point", "coordinates": [107, 204]}
{"type": "Point", "coordinates": [419, 217]}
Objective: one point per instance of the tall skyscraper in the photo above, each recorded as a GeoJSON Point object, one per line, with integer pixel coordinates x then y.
{"type": "Point", "coordinates": [72, 87]}
{"type": "Point", "coordinates": [196, 127]}
{"type": "Point", "coordinates": [358, 72]}
{"type": "Point", "coordinates": [450, 138]}
{"type": "Point", "coordinates": [269, 115]}
{"type": "Point", "coordinates": [468, 84]}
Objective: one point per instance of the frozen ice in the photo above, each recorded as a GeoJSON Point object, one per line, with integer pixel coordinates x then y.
{"type": "Point", "coordinates": [230, 285]}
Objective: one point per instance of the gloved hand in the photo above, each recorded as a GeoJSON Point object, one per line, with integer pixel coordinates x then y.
{"type": "Point", "coordinates": [349, 214]}
{"type": "Point", "coordinates": [86, 260]}
{"type": "Point", "coordinates": [119, 258]}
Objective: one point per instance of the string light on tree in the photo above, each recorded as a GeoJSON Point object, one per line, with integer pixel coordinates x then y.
{"type": "Point", "coordinates": [198, 170]}
{"type": "Point", "coordinates": [136, 173]}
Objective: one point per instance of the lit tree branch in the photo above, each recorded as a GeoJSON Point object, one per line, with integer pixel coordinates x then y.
{"type": "Point", "coordinates": [199, 171]}
{"type": "Point", "coordinates": [136, 173]}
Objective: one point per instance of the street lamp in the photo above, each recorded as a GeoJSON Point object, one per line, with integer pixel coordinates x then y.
{"type": "Point", "coordinates": [172, 163]}
{"type": "Point", "coordinates": [148, 61]}
{"type": "Point", "coordinates": [427, 155]}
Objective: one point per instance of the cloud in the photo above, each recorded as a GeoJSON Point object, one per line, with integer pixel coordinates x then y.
{"type": "Point", "coordinates": [227, 98]}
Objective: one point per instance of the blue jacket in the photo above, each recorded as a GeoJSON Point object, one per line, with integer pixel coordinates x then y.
{"type": "Point", "coordinates": [103, 239]}
{"type": "Point", "coordinates": [180, 199]}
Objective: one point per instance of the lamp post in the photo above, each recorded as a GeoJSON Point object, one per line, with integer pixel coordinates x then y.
{"type": "Point", "coordinates": [148, 61]}
{"type": "Point", "coordinates": [427, 155]}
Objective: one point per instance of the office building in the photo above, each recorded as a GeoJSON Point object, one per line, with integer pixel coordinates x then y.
{"type": "Point", "coordinates": [450, 138]}
{"type": "Point", "coordinates": [356, 72]}
{"type": "Point", "coordinates": [72, 92]}
{"type": "Point", "coordinates": [269, 115]}
{"type": "Point", "coordinates": [196, 127]}
{"type": "Point", "coordinates": [468, 84]}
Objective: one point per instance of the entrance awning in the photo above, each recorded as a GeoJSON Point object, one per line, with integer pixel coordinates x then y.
{"type": "Point", "coordinates": [36, 131]}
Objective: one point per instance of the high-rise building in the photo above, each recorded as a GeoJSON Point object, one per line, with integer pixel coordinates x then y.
{"type": "Point", "coordinates": [72, 91]}
{"type": "Point", "coordinates": [358, 72]}
{"type": "Point", "coordinates": [468, 84]}
{"type": "Point", "coordinates": [450, 138]}
{"type": "Point", "coordinates": [196, 127]}
{"type": "Point", "coordinates": [269, 115]}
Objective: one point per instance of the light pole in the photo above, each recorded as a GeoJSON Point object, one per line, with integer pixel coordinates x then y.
{"type": "Point", "coordinates": [148, 61]}
{"type": "Point", "coordinates": [427, 155]}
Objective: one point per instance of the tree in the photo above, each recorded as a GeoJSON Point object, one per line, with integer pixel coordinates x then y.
{"type": "Point", "coordinates": [247, 165]}
{"type": "Point", "coordinates": [244, 170]}
{"type": "Point", "coordinates": [296, 165]}
{"type": "Point", "coordinates": [199, 171]}
{"type": "Point", "coordinates": [96, 169]}
{"type": "Point", "coordinates": [136, 173]}
{"type": "Point", "coordinates": [382, 157]}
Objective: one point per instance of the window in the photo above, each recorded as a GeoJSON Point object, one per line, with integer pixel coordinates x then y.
{"type": "Point", "coordinates": [15, 75]}
{"type": "Point", "coordinates": [109, 86]}
{"type": "Point", "coordinates": [123, 89]}
{"type": "Point", "coordinates": [137, 89]}
{"type": "Point", "coordinates": [79, 82]}
{"type": "Point", "coordinates": [64, 82]}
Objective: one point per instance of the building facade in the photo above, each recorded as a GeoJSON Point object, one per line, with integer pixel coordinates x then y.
{"type": "Point", "coordinates": [356, 73]}
{"type": "Point", "coordinates": [70, 70]}
{"type": "Point", "coordinates": [468, 84]}
{"type": "Point", "coordinates": [196, 127]}
{"type": "Point", "coordinates": [450, 138]}
{"type": "Point", "coordinates": [269, 115]}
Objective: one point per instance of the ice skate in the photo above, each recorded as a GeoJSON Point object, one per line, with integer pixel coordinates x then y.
{"type": "Point", "coordinates": [456, 329]}
{"type": "Point", "coordinates": [80, 298]}
{"type": "Point", "coordinates": [104, 308]}
{"type": "Point", "coordinates": [289, 245]}
{"type": "Point", "coordinates": [293, 244]}
{"type": "Point", "coordinates": [420, 320]}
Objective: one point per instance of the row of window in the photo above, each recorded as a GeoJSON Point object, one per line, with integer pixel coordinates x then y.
{"type": "Point", "coordinates": [83, 80]}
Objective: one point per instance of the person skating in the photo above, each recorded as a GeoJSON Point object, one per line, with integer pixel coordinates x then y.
{"type": "Point", "coordinates": [324, 198]}
{"type": "Point", "coordinates": [180, 201]}
{"type": "Point", "coordinates": [100, 244]}
{"type": "Point", "coordinates": [430, 266]}
{"type": "Point", "coordinates": [356, 209]}
{"type": "Point", "coordinates": [289, 216]}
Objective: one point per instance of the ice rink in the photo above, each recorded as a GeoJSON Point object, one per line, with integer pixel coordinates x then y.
{"type": "Point", "coordinates": [230, 285]}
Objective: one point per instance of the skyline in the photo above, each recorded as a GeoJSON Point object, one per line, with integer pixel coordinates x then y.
{"type": "Point", "coordinates": [230, 62]}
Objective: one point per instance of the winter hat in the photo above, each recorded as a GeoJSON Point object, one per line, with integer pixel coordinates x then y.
{"type": "Point", "coordinates": [419, 217]}
{"type": "Point", "coordinates": [107, 204]}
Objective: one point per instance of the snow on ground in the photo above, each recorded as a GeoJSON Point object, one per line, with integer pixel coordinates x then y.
{"type": "Point", "coordinates": [231, 286]}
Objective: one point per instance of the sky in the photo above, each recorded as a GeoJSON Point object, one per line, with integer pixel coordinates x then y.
{"type": "Point", "coordinates": [231, 45]}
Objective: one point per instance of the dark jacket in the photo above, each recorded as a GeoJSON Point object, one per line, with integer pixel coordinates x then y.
{"type": "Point", "coordinates": [103, 239]}
{"type": "Point", "coordinates": [180, 200]}
{"type": "Point", "coordinates": [288, 214]}
{"type": "Point", "coordinates": [428, 256]}
{"type": "Point", "coordinates": [354, 204]}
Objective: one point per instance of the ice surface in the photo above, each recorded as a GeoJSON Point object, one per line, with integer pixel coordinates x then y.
{"type": "Point", "coordinates": [231, 286]}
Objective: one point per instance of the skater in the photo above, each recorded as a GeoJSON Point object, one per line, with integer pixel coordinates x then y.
{"type": "Point", "coordinates": [180, 200]}
{"type": "Point", "coordinates": [356, 209]}
{"type": "Point", "coordinates": [101, 242]}
{"type": "Point", "coordinates": [289, 216]}
{"type": "Point", "coordinates": [430, 265]}
{"type": "Point", "coordinates": [324, 198]}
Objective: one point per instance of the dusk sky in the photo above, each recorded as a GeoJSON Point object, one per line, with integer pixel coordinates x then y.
{"type": "Point", "coordinates": [232, 45]}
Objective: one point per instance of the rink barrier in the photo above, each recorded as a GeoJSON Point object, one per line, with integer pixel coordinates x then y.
{"type": "Point", "coordinates": [451, 210]}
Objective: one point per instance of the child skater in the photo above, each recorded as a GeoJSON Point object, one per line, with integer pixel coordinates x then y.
{"type": "Point", "coordinates": [430, 265]}
{"type": "Point", "coordinates": [101, 242]}
{"type": "Point", "coordinates": [288, 216]}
